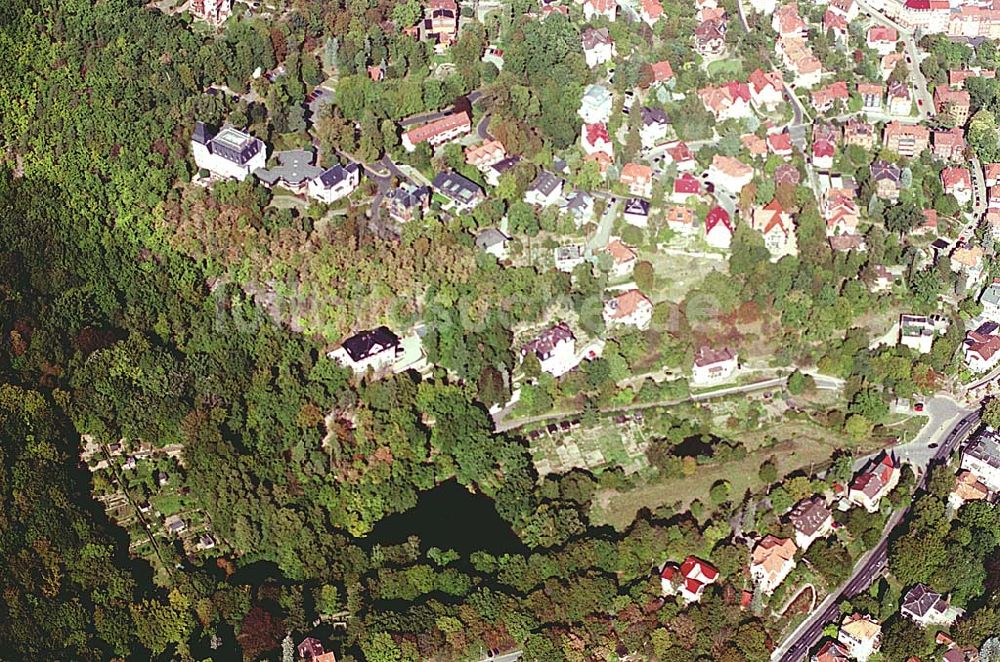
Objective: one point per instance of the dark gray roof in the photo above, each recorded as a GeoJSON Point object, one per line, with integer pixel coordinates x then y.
{"type": "Point", "coordinates": [921, 601]}
{"type": "Point", "coordinates": [337, 174]}
{"type": "Point", "coordinates": [653, 116]}
{"type": "Point", "coordinates": [456, 187]}
{"type": "Point", "coordinates": [202, 133]}
{"type": "Point", "coordinates": [294, 168]}
{"type": "Point", "coordinates": [637, 206]}
{"type": "Point", "coordinates": [884, 170]}
{"type": "Point", "coordinates": [406, 196]}
{"type": "Point", "coordinates": [545, 183]}
{"type": "Point", "coordinates": [579, 203]}
{"type": "Point", "coordinates": [367, 343]}
{"type": "Point", "coordinates": [809, 515]}
{"type": "Point", "coordinates": [490, 237]}
{"type": "Point", "coordinates": [500, 167]}
{"type": "Point", "coordinates": [234, 145]}
{"type": "Point", "coordinates": [985, 446]}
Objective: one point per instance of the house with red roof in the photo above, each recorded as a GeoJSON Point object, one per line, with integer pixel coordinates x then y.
{"type": "Point", "coordinates": [882, 39]}
{"type": "Point", "coordinates": [650, 12]}
{"type": "Point", "coordinates": [730, 173]}
{"type": "Point", "coordinates": [623, 258]}
{"type": "Point", "coordinates": [766, 89]}
{"type": "Point", "coordinates": [982, 347]}
{"type": "Point", "coordinates": [874, 481]}
{"type": "Point", "coordinates": [957, 182]}
{"type": "Point", "coordinates": [906, 139]}
{"type": "Point", "coordinates": [638, 178]}
{"type": "Point", "coordinates": [871, 96]}
{"type": "Point", "coordinates": [718, 228]}
{"type": "Point", "coordinates": [629, 308]}
{"type": "Point", "coordinates": [771, 561]}
{"type": "Point", "coordinates": [835, 23]}
{"type": "Point", "coordinates": [952, 104]}
{"type": "Point", "coordinates": [594, 8]}
{"type": "Point", "coordinates": [822, 153]}
{"type": "Point", "coordinates": [888, 64]}
{"type": "Point", "coordinates": [594, 138]}
{"type": "Point", "coordinates": [728, 101]}
{"type": "Point", "coordinates": [710, 38]}
{"type": "Point", "coordinates": [680, 155]}
{"type": "Point", "coordinates": [680, 219]}
{"type": "Point", "coordinates": [950, 145]}
{"type": "Point", "coordinates": [840, 211]}
{"type": "Point", "coordinates": [957, 77]}
{"type": "Point", "coordinates": [662, 72]}
{"type": "Point", "coordinates": [685, 186]}
{"type": "Point", "coordinates": [825, 97]}
{"type": "Point", "coordinates": [779, 143]}
{"type": "Point", "coordinates": [689, 579]}
{"type": "Point", "coordinates": [438, 131]}
{"type": "Point", "coordinates": [775, 224]}
{"type": "Point", "coordinates": [991, 171]}
{"type": "Point", "coordinates": [755, 146]}
{"type": "Point", "coordinates": [787, 22]}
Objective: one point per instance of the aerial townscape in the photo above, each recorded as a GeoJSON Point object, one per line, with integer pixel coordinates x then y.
{"type": "Point", "coordinates": [497, 330]}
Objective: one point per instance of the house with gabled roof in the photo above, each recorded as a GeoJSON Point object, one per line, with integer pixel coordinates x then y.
{"type": "Point", "coordinates": [771, 561]}
{"type": "Point", "coordinates": [882, 39]}
{"type": "Point", "coordinates": [375, 349]}
{"type": "Point", "coordinates": [888, 64]}
{"type": "Point", "coordinates": [835, 24]}
{"type": "Point", "coordinates": [598, 47]}
{"type": "Point", "coordinates": [650, 11]}
{"type": "Point", "coordinates": [662, 72]}
{"type": "Point", "coordinates": [680, 155]}
{"type": "Point", "coordinates": [629, 308]}
{"type": "Point", "coordinates": [459, 193]}
{"type": "Point", "coordinates": [638, 178]}
{"type": "Point", "coordinates": [229, 153]}
{"type": "Point", "coordinates": [775, 225]}
{"type": "Point", "coordinates": [689, 579]}
{"type": "Point", "coordinates": [596, 104]}
{"type": "Point", "coordinates": [952, 104]}
{"type": "Point", "coordinates": [605, 8]}
{"type": "Point", "coordinates": [728, 101]}
{"type": "Point", "coordinates": [968, 487]}
{"type": "Point", "coordinates": [437, 132]}
{"type": "Point", "coordinates": [335, 183]}
{"type": "Point", "coordinates": [981, 457]}
{"type": "Point", "coordinates": [654, 127]}
{"type": "Point", "coordinates": [926, 607]}
{"type": "Point", "coordinates": [899, 99]}
{"type": "Point", "coordinates": [555, 349]}
{"type": "Point", "coordinates": [685, 186]}
{"type": "Point", "coordinates": [861, 635]}
{"type": "Point", "coordinates": [718, 228]}
{"type": "Point", "coordinates": [494, 242]}
{"type": "Point", "coordinates": [950, 145]}
{"type": "Point", "coordinates": [957, 182]}
{"type": "Point", "coordinates": [779, 143]}
{"type": "Point", "coordinates": [623, 258]}
{"type": "Point", "coordinates": [982, 347]}
{"type": "Point", "coordinates": [730, 173]}
{"type": "Point", "coordinates": [822, 153]}
{"type": "Point", "coordinates": [831, 650]}
{"type": "Point", "coordinates": [887, 177]}
{"type": "Point", "coordinates": [485, 154]}
{"type": "Point", "coordinates": [871, 96]}
{"type": "Point", "coordinates": [754, 145]}
{"type": "Point", "coordinates": [875, 481]}
{"type": "Point", "coordinates": [710, 38]}
{"type": "Point", "coordinates": [859, 133]}
{"type": "Point", "coordinates": [824, 98]}
{"type": "Point", "coordinates": [545, 191]}
{"type": "Point", "coordinates": [594, 138]}
{"type": "Point", "coordinates": [680, 219]}
{"type": "Point", "coordinates": [407, 201]}
{"type": "Point", "coordinates": [636, 212]}
{"type": "Point", "coordinates": [713, 366]}
{"type": "Point", "coordinates": [766, 89]}
{"type": "Point", "coordinates": [580, 206]}
{"type": "Point", "coordinates": [811, 519]}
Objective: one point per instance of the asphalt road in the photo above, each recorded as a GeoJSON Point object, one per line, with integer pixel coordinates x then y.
{"type": "Point", "coordinates": [423, 118]}
{"type": "Point", "coordinates": [808, 634]}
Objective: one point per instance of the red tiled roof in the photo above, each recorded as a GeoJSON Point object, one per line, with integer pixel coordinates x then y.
{"type": "Point", "coordinates": [716, 216]}
{"type": "Point", "coordinates": [687, 183]}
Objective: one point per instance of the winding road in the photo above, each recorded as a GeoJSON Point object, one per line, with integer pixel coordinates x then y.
{"type": "Point", "coordinates": [796, 648]}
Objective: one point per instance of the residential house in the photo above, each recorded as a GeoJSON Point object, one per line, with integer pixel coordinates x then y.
{"type": "Point", "coordinates": [728, 101]}
{"type": "Point", "coordinates": [906, 140]}
{"type": "Point", "coordinates": [967, 261]}
{"type": "Point", "coordinates": [579, 205]}
{"type": "Point", "coordinates": [555, 349]}
{"type": "Point", "coordinates": [680, 219]}
{"type": "Point", "coordinates": [859, 133]}
{"type": "Point", "coordinates": [730, 173]}
{"type": "Point", "coordinates": [212, 11]}
{"type": "Point", "coordinates": [623, 258]}
{"type": "Point", "coordinates": [229, 154]}
{"type": "Point", "coordinates": [437, 132]}
{"type": "Point", "coordinates": [718, 228]}
{"type": "Point", "coordinates": [493, 55]}
{"type": "Point", "coordinates": [650, 11]}
{"type": "Point", "coordinates": [871, 97]}
{"type": "Point", "coordinates": [685, 186]}
{"type": "Point", "coordinates": [831, 651]}
{"type": "Point", "coordinates": [823, 151]}
{"type": "Point", "coordinates": [595, 105]}
{"type": "Point", "coordinates": [775, 224]}
{"type": "Point", "coordinates": [918, 332]}
{"type": "Point", "coordinates": [925, 607]}
{"type": "Point", "coordinates": [485, 154]}
{"type": "Point", "coordinates": [877, 479]}
{"type": "Point", "coordinates": [797, 56]}
{"type": "Point", "coordinates": [629, 308]}
{"type": "Point", "coordinates": [681, 156]}
{"type": "Point", "coordinates": [900, 101]}
{"type": "Point", "coordinates": [545, 191]}
{"type": "Point", "coordinates": [958, 182]}
{"type": "Point", "coordinates": [766, 89]}
{"type": "Point", "coordinates": [494, 242]}
{"type": "Point", "coordinates": [654, 128]}
{"type": "Point", "coordinates": [981, 457]}
{"type": "Point", "coordinates": [754, 145]}
{"type": "Point", "coordinates": [594, 138]}
{"type": "Point", "coordinates": [967, 488]}
{"type": "Point", "coordinates": [957, 77]}
{"type": "Point", "coordinates": [661, 73]}
{"type": "Point", "coordinates": [787, 22]}
{"type": "Point", "coordinates": [860, 635]}
{"type": "Point", "coordinates": [688, 579]}
{"type": "Point", "coordinates": [636, 212]}
{"type": "Point", "coordinates": [888, 64]}
{"type": "Point", "coordinates": [493, 173]}
{"type": "Point", "coordinates": [991, 171]}
{"type": "Point", "coordinates": [887, 177]}
{"type": "Point", "coordinates": [779, 143]}
{"type": "Point", "coordinates": [824, 98]}
{"type": "Point", "coordinates": [787, 174]}
{"type": "Point", "coordinates": [569, 257]}
{"type": "Point", "coordinates": [294, 171]}
{"type": "Point", "coordinates": [882, 39]}
{"type": "Point", "coordinates": [335, 183]}
{"type": "Point", "coordinates": [460, 194]}
{"type": "Point", "coordinates": [840, 211]}
{"type": "Point", "coordinates": [710, 38]}
{"type": "Point", "coordinates": [771, 561]}
{"type": "Point", "coordinates": [835, 24]}
{"type": "Point", "coordinates": [950, 145]}
{"type": "Point", "coordinates": [638, 178]}
{"type": "Point", "coordinates": [885, 278]}
{"type": "Point", "coordinates": [598, 47]}
{"type": "Point", "coordinates": [847, 8]}
{"type": "Point", "coordinates": [811, 519]}
{"type": "Point", "coordinates": [440, 24]}
{"type": "Point", "coordinates": [990, 301]}
{"type": "Point", "coordinates": [594, 8]}
{"type": "Point", "coordinates": [952, 105]}
{"type": "Point", "coordinates": [713, 366]}
{"type": "Point", "coordinates": [407, 201]}
{"type": "Point", "coordinates": [375, 349]}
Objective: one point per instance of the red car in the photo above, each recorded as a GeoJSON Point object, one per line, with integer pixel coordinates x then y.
{"type": "Point", "coordinates": [918, 407]}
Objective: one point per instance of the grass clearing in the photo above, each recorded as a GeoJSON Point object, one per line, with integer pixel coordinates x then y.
{"type": "Point", "coordinates": [168, 504]}
{"type": "Point", "coordinates": [677, 274]}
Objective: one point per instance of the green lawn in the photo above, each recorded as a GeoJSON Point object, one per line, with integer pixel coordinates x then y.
{"type": "Point", "coordinates": [168, 504]}
{"type": "Point", "coordinates": [728, 67]}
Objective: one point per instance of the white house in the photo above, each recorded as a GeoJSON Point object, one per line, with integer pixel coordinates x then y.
{"type": "Point", "coordinates": [555, 348]}
{"type": "Point", "coordinates": [494, 242]}
{"type": "Point", "coordinates": [982, 347]}
{"type": "Point", "coordinates": [875, 481]}
{"type": "Point", "coordinates": [688, 579]}
{"type": "Point", "coordinates": [655, 127]}
{"type": "Point", "coordinates": [335, 183]}
{"type": "Point", "coordinates": [545, 191]}
{"type": "Point", "coordinates": [713, 366]}
{"type": "Point", "coordinates": [919, 331]}
{"type": "Point", "coordinates": [730, 173]}
{"type": "Point", "coordinates": [437, 132]}
{"type": "Point", "coordinates": [594, 138]}
{"type": "Point", "coordinates": [630, 308]}
{"type": "Point", "coordinates": [766, 89]}
{"type": "Point", "coordinates": [569, 257]}
{"type": "Point", "coordinates": [811, 519]}
{"type": "Point", "coordinates": [981, 457]}
{"type": "Point", "coordinates": [230, 153]}
{"type": "Point", "coordinates": [775, 225]}
{"type": "Point", "coordinates": [595, 105]}
{"type": "Point", "coordinates": [925, 607]}
{"type": "Point", "coordinates": [636, 212]}
{"type": "Point", "coordinates": [623, 258]}
{"type": "Point", "coordinates": [579, 205]}
{"type": "Point", "coordinates": [376, 349]}
{"type": "Point", "coordinates": [718, 228]}
{"type": "Point", "coordinates": [594, 8]}
{"type": "Point", "coordinates": [771, 561]}
{"type": "Point", "coordinates": [860, 635]}
{"type": "Point", "coordinates": [990, 300]}
{"type": "Point", "coordinates": [598, 46]}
